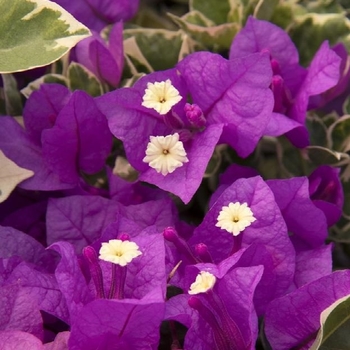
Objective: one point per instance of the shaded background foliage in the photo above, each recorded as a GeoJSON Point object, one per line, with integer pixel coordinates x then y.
{"type": "Point", "coordinates": [178, 28]}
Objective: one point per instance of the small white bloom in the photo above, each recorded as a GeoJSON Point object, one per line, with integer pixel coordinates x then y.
{"type": "Point", "coordinates": [165, 153]}
{"type": "Point", "coordinates": [204, 281]}
{"type": "Point", "coordinates": [119, 252]}
{"type": "Point", "coordinates": [235, 218]}
{"type": "Point", "coordinates": [161, 96]}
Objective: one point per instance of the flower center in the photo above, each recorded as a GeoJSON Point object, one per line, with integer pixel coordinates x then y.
{"type": "Point", "coordinates": [165, 153]}
{"type": "Point", "coordinates": [235, 217]}
{"type": "Point", "coordinates": [204, 282]}
{"type": "Point", "coordinates": [119, 252]}
{"type": "Point", "coordinates": [161, 96]}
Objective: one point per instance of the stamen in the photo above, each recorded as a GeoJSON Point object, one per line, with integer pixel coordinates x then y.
{"type": "Point", "coordinates": [229, 326]}
{"type": "Point", "coordinates": [95, 270]}
{"type": "Point", "coordinates": [172, 236]}
{"type": "Point", "coordinates": [116, 290]}
{"type": "Point", "coordinates": [276, 69]}
{"type": "Point", "coordinates": [202, 252]}
{"type": "Point", "coordinates": [221, 341]}
{"type": "Point", "coordinates": [281, 94]}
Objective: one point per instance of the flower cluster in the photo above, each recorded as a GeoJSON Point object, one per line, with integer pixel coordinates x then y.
{"type": "Point", "coordinates": [89, 260]}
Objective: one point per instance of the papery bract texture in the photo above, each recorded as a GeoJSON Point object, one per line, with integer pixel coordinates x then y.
{"type": "Point", "coordinates": [70, 280]}
{"type": "Point", "coordinates": [41, 287]}
{"type": "Point", "coordinates": [67, 139]}
{"type": "Point", "coordinates": [26, 153]}
{"type": "Point", "coordinates": [79, 220]}
{"type": "Point", "coordinates": [14, 340]}
{"type": "Point", "coordinates": [87, 140]}
{"type": "Point", "coordinates": [223, 89]}
{"type": "Point", "coordinates": [312, 265]}
{"type": "Point", "coordinates": [334, 98]}
{"type": "Point", "coordinates": [235, 288]}
{"type": "Point", "coordinates": [293, 320]}
{"type": "Point", "coordinates": [26, 215]}
{"type": "Point", "coordinates": [145, 273]}
{"type": "Point", "coordinates": [118, 324]}
{"type": "Point", "coordinates": [16, 243]}
{"type": "Point", "coordinates": [269, 229]}
{"type": "Point", "coordinates": [104, 60]}
{"type": "Point", "coordinates": [260, 35]}
{"type": "Point", "coordinates": [96, 14]}
{"type": "Point", "coordinates": [19, 312]}
{"type": "Point", "coordinates": [327, 193]}
{"type": "Point", "coordinates": [128, 193]}
{"type": "Point", "coordinates": [291, 84]}
{"type": "Point", "coordinates": [129, 119]}
{"type": "Point", "coordinates": [42, 108]}
{"type": "Point", "coordinates": [302, 217]}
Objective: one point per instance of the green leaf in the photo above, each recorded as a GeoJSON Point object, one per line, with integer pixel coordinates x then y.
{"type": "Point", "coordinates": [345, 176]}
{"type": "Point", "coordinates": [339, 134]}
{"type": "Point", "coordinates": [265, 9]}
{"type": "Point", "coordinates": [154, 49]}
{"type": "Point", "coordinates": [312, 29]}
{"type": "Point", "coordinates": [135, 59]}
{"type": "Point", "coordinates": [214, 164]}
{"type": "Point", "coordinates": [13, 101]}
{"type": "Point", "coordinates": [35, 33]}
{"type": "Point", "coordinates": [215, 10]}
{"type": "Point", "coordinates": [283, 15]}
{"type": "Point", "coordinates": [346, 106]}
{"type": "Point", "coordinates": [131, 81]}
{"type": "Point", "coordinates": [322, 156]}
{"type": "Point", "coordinates": [292, 162]}
{"type": "Point", "coordinates": [197, 18]}
{"type": "Point", "coordinates": [217, 38]}
{"type": "Point", "coordinates": [242, 9]}
{"type": "Point", "coordinates": [335, 323]}
{"type": "Point", "coordinates": [323, 6]}
{"type": "Point", "coordinates": [10, 176]}
{"type": "Point", "coordinates": [81, 78]}
{"type": "Point", "coordinates": [317, 130]}
{"type": "Point", "coordinates": [45, 79]}
{"type": "Point", "coordinates": [124, 170]}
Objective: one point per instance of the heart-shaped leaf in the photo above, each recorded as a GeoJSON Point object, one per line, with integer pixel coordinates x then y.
{"type": "Point", "coordinates": [35, 33]}
{"type": "Point", "coordinates": [335, 322]}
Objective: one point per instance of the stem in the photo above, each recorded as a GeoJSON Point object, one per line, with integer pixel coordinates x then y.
{"type": "Point", "coordinates": [95, 270]}
{"type": "Point", "coordinates": [237, 243]}
{"type": "Point", "coordinates": [116, 290]}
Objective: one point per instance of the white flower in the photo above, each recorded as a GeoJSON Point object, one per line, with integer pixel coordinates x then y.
{"type": "Point", "coordinates": [204, 281]}
{"type": "Point", "coordinates": [235, 218]}
{"type": "Point", "coordinates": [165, 153]}
{"type": "Point", "coordinates": [161, 96]}
{"type": "Point", "coordinates": [119, 252]}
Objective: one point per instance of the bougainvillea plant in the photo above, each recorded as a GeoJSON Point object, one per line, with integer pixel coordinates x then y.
{"type": "Point", "coordinates": [174, 175]}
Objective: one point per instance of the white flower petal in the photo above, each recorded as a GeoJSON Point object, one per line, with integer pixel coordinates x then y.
{"type": "Point", "coordinates": [204, 282]}
{"type": "Point", "coordinates": [119, 252]}
{"type": "Point", "coordinates": [235, 218]}
{"type": "Point", "coordinates": [161, 96]}
{"type": "Point", "coordinates": [165, 153]}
